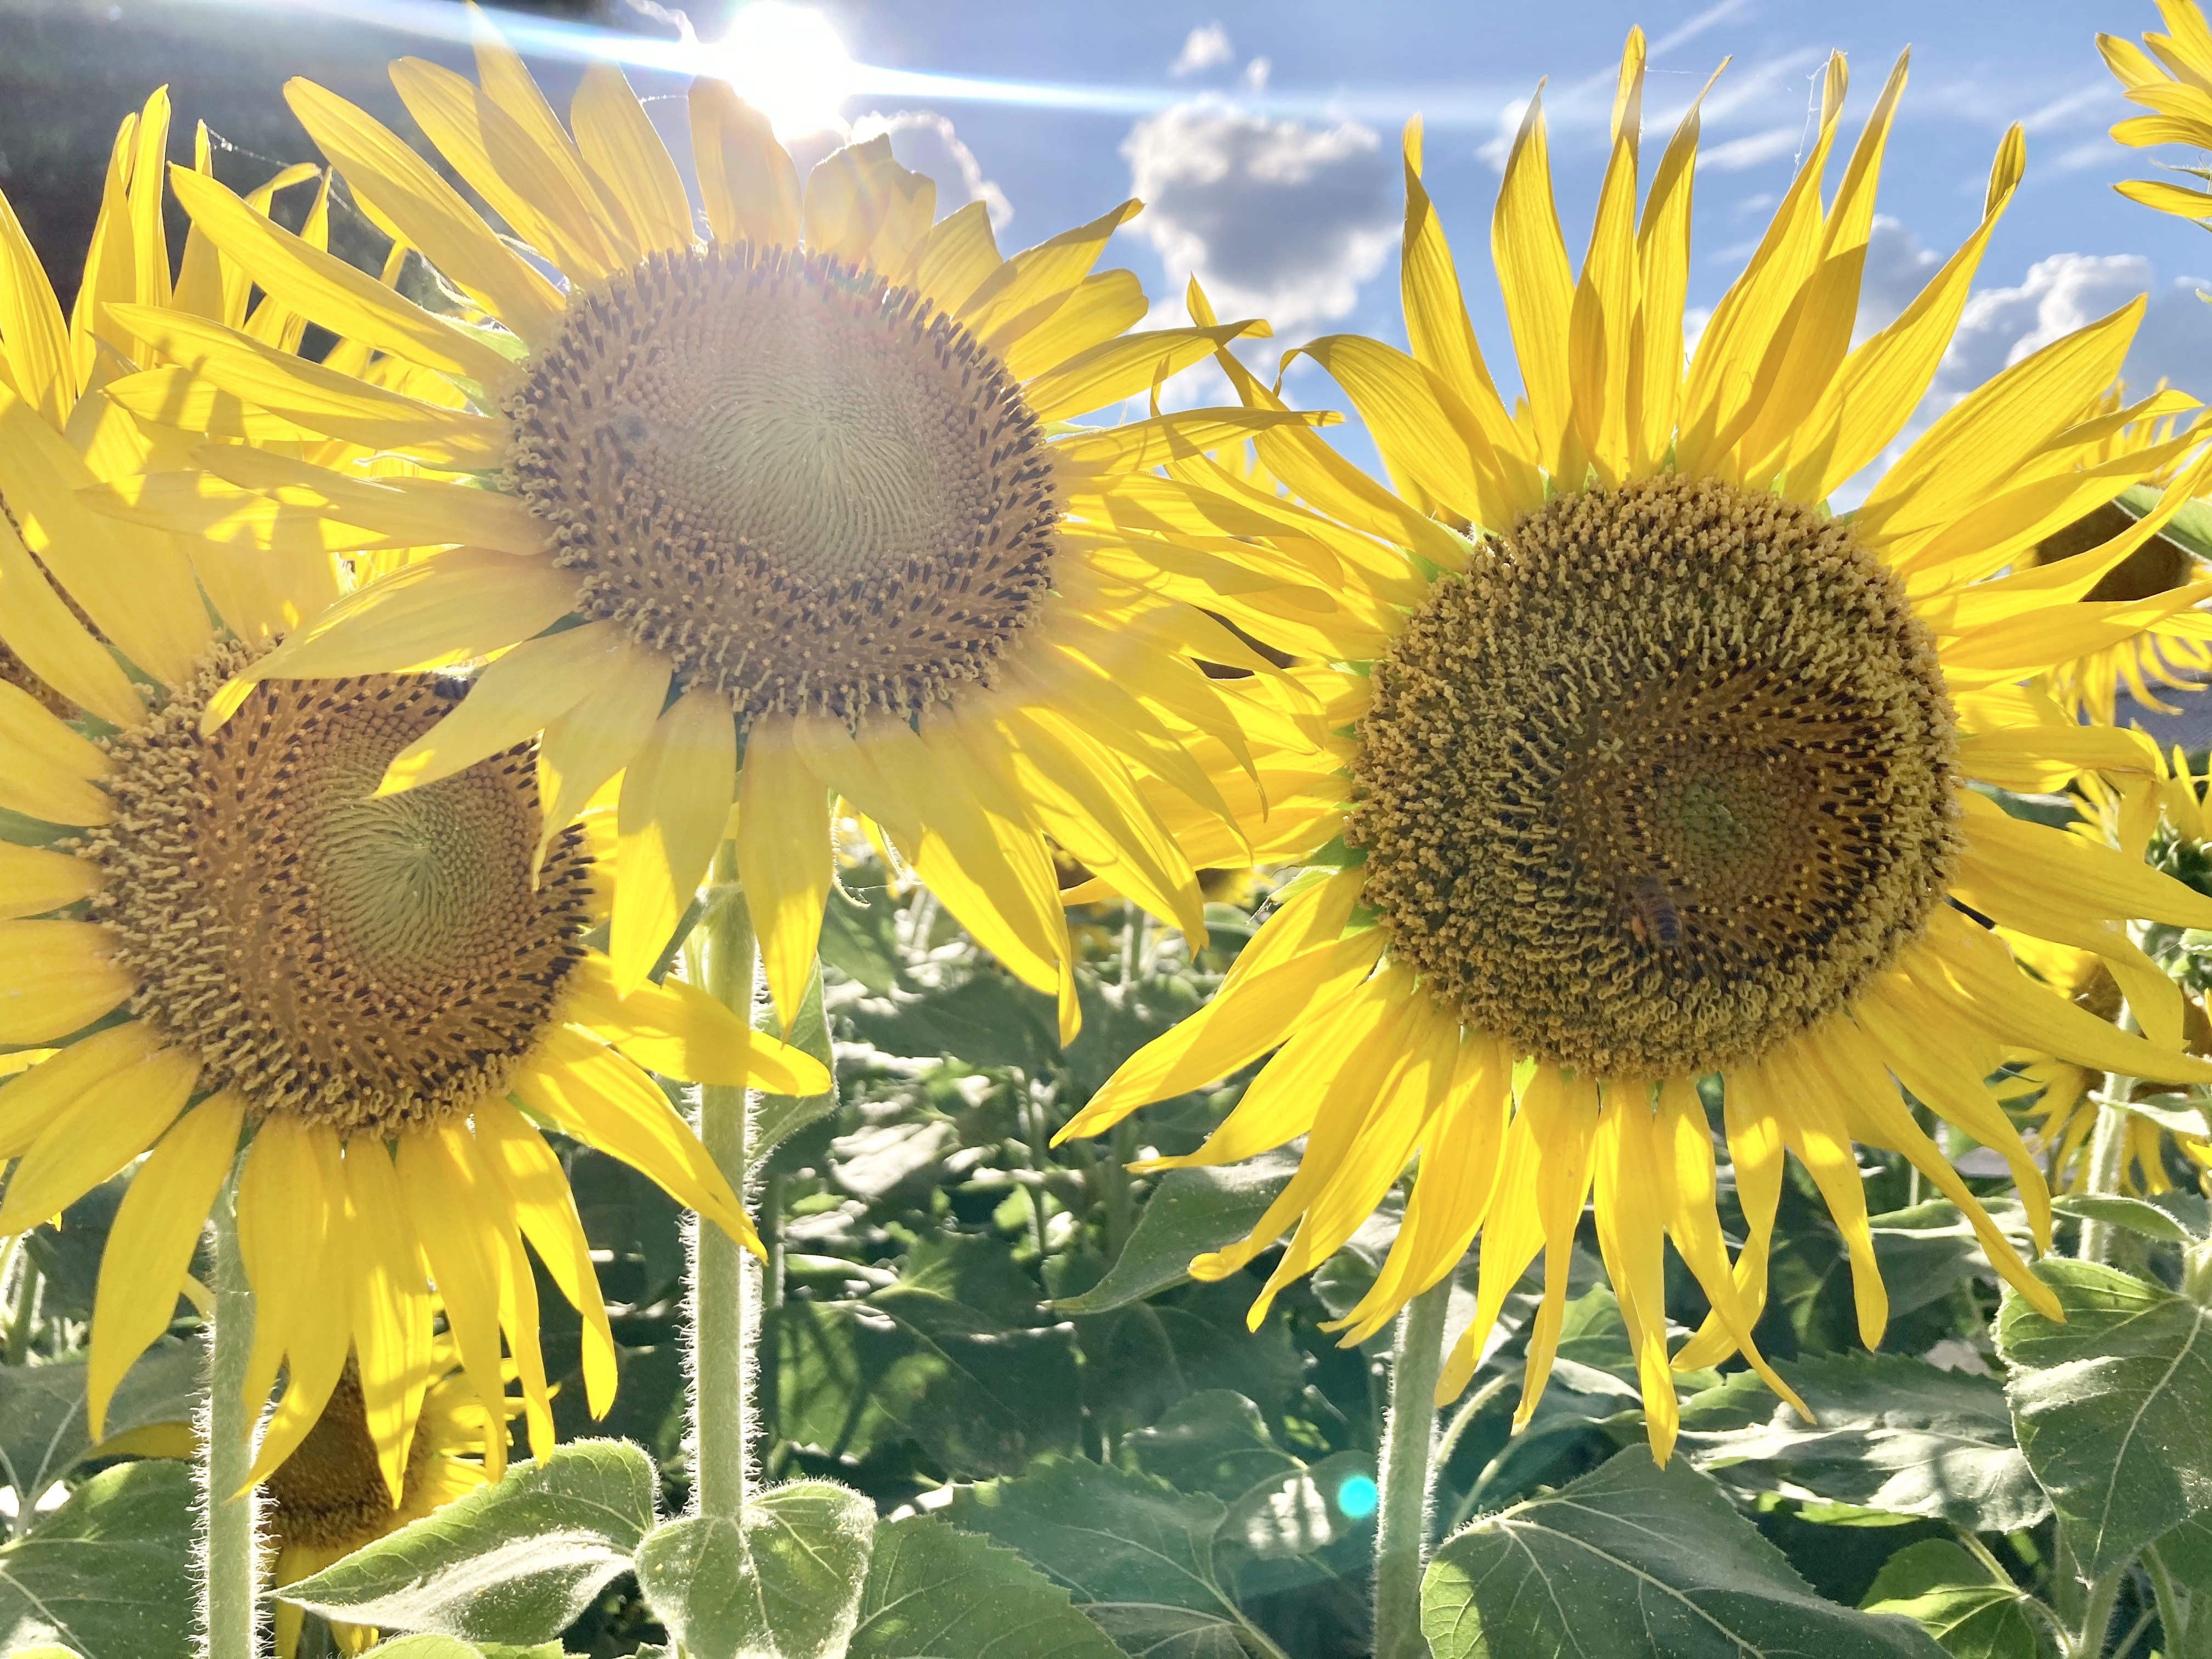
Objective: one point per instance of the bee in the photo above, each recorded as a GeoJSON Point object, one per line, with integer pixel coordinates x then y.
{"type": "Point", "coordinates": [1652, 916]}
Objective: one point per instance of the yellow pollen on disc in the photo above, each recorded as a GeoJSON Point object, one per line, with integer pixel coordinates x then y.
{"type": "Point", "coordinates": [330, 1493]}
{"type": "Point", "coordinates": [1664, 778]}
{"type": "Point", "coordinates": [809, 489]}
{"type": "Point", "coordinates": [368, 963]}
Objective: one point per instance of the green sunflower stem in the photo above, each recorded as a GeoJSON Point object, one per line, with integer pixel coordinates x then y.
{"type": "Point", "coordinates": [725, 1288]}
{"type": "Point", "coordinates": [1409, 1437]}
{"type": "Point", "coordinates": [230, 1539]}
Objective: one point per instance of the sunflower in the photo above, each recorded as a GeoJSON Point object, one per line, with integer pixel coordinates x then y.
{"type": "Point", "coordinates": [2174, 79]}
{"type": "Point", "coordinates": [329, 1497]}
{"type": "Point", "coordinates": [205, 935]}
{"type": "Point", "coordinates": [1663, 784]}
{"type": "Point", "coordinates": [789, 513]}
{"type": "Point", "coordinates": [2174, 651]}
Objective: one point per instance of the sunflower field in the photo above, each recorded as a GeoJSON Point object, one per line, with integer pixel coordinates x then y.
{"type": "Point", "coordinates": [722, 937]}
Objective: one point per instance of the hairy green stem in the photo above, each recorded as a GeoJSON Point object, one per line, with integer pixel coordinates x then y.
{"type": "Point", "coordinates": [229, 1510]}
{"type": "Point", "coordinates": [2108, 1152]}
{"type": "Point", "coordinates": [2097, 1619]}
{"type": "Point", "coordinates": [2173, 1611]}
{"type": "Point", "coordinates": [1409, 1435]}
{"type": "Point", "coordinates": [1463, 1419]}
{"type": "Point", "coordinates": [724, 1287]}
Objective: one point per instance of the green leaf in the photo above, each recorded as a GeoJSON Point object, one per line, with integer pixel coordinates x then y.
{"type": "Point", "coordinates": [1190, 1212]}
{"type": "Point", "coordinates": [1214, 1442]}
{"type": "Point", "coordinates": [2192, 526]}
{"type": "Point", "coordinates": [950, 1357]}
{"type": "Point", "coordinates": [108, 1573]}
{"type": "Point", "coordinates": [2110, 1408]}
{"type": "Point", "coordinates": [935, 1592]}
{"type": "Point", "coordinates": [1301, 1511]}
{"type": "Point", "coordinates": [783, 1583]}
{"type": "Point", "coordinates": [42, 1422]}
{"type": "Point", "coordinates": [1952, 1596]}
{"type": "Point", "coordinates": [1135, 1553]}
{"type": "Point", "coordinates": [1892, 1433]}
{"type": "Point", "coordinates": [516, 1562]}
{"type": "Point", "coordinates": [777, 1117]}
{"type": "Point", "coordinates": [1633, 1562]}
{"type": "Point", "coordinates": [1139, 1360]}
{"type": "Point", "coordinates": [988, 1018]}
{"type": "Point", "coordinates": [2134, 1214]}
{"type": "Point", "coordinates": [858, 937]}
{"type": "Point", "coordinates": [2186, 1554]}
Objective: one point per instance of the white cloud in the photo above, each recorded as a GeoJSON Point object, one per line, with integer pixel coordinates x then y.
{"type": "Point", "coordinates": [1202, 49]}
{"type": "Point", "coordinates": [925, 140]}
{"type": "Point", "coordinates": [1276, 218]}
{"type": "Point", "coordinates": [2002, 325]}
{"type": "Point", "coordinates": [1897, 268]}
{"type": "Point", "coordinates": [1256, 73]}
{"type": "Point", "coordinates": [1749, 151]}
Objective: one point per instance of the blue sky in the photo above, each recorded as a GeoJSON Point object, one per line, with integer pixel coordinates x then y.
{"type": "Point", "coordinates": [1265, 135]}
{"type": "Point", "coordinates": [1268, 145]}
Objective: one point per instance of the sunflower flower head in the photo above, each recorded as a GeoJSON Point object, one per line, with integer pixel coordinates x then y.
{"type": "Point", "coordinates": [1662, 784]}
{"type": "Point", "coordinates": [2171, 75]}
{"type": "Point", "coordinates": [329, 1497]}
{"type": "Point", "coordinates": [772, 510]}
{"type": "Point", "coordinates": [215, 931]}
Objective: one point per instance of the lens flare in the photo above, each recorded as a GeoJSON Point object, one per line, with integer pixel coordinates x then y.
{"type": "Point", "coordinates": [788, 62]}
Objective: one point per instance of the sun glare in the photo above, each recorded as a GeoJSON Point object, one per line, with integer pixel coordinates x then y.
{"type": "Point", "coordinates": [787, 62]}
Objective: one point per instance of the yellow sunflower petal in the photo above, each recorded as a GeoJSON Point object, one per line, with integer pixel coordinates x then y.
{"type": "Point", "coordinates": [409, 198]}
{"type": "Point", "coordinates": [430, 614]}
{"type": "Point", "coordinates": [1632, 1241]}
{"type": "Point", "coordinates": [56, 977]}
{"type": "Point", "coordinates": [46, 770]}
{"type": "Point", "coordinates": [680, 1031]}
{"type": "Point", "coordinates": [1563, 1117]}
{"type": "Point", "coordinates": [591, 1092]}
{"type": "Point", "coordinates": [746, 180]}
{"type": "Point", "coordinates": [320, 398]}
{"type": "Point", "coordinates": [446, 1204]}
{"type": "Point", "coordinates": [136, 586]}
{"type": "Point", "coordinates": [1531, 258]}
{"type": "Point", "coordinates": [1815, 1128]}
{"type": "Point", "coordinates": [291, 1198]}
{"type": "Point", "coordinates": [392, 1306]}
{"type": "Point", "coordinates": [33, 880]}
{"type": "Point", "coordinates": [341, 298]}
{"type": "Point", "coordinates": [32, 335]}
{"type": "Point", "coordinates": [597, 738]}
{"type": "Point", "coordinates": [149, 1248]}
{"type": "Point", "coordinates": [49, 1087]}
{"type": "Point", "coordinates": [545, 1209]}
{"type": "Point", "coordinates": [675, 801]}
{"type": "Point", "coordinates": [626, 156]}
{"type": "Point", "coordinates": [110, 1123]}
{"type": "Point", "coordinates": [35, 623]}
{"type": "Point", "coordinates": [514, 698]}
{"type": "Point", "coordinates": [783, 859]}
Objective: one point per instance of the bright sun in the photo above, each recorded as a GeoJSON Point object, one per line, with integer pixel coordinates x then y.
{"type": "Point", "coordinates": [787, 62]}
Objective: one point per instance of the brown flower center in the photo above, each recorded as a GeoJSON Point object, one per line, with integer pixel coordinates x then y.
{"type": "Point", "coordinates": [1666, 778]}
{"type": "Point", "coordinates": [809, 489]}
{"type": "Point", "coordinates": [330, 1493]}
{"type": "Point", "coordinates": [364, 962]}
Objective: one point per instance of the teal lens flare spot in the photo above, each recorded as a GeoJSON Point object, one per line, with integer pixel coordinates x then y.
{"type": "Point", "coordinates": [1356, 1498]}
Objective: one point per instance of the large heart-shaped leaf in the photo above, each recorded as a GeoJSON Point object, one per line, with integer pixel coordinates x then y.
{"type": "Point", "coordinates": [1891, 1433]}
{"type": "Point", "coordinates": [1135, 1554]}
{"type": "Point", "coordinates": [1634, 1562]}
{"type": "Point", "coordinates": [109, 1573]}
{"type": "Point", "coordinates": [2110, 1408]}
{"type": "Point", "coordinates": [1953, 1597]}
{"type": "Point", "coordinates": [1190, 1212]}
{"type": "Point", "coordinates": [935, 1592]}
{"type": "Point", "coordinates": [783, 1583]}
{"type": "Point", "coordinates": [514, 1562]}
{"type": "Point", "coordinates": [43, 1433]}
